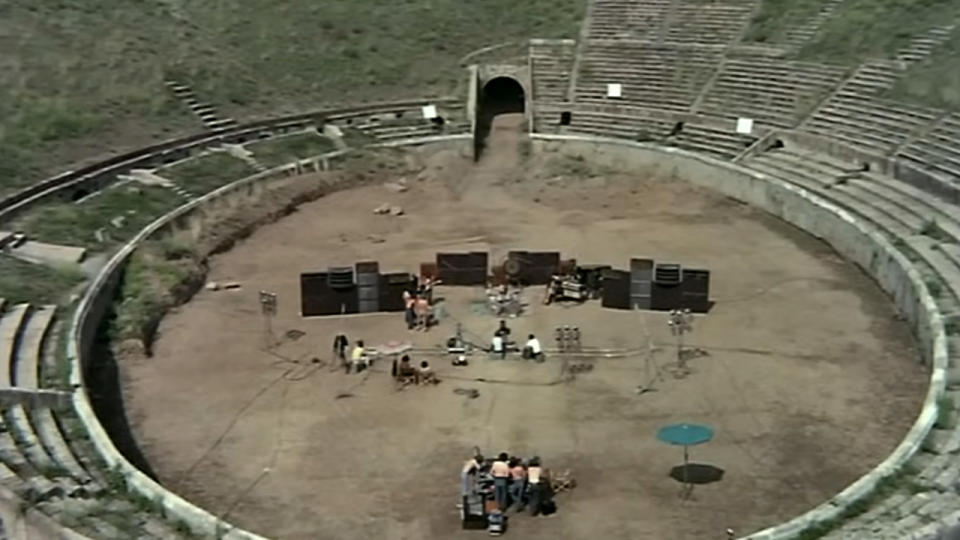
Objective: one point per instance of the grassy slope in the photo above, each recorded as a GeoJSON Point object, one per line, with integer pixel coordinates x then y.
{"type": "Point", "coordinates": [861, 29]}
{"type": "Point", "coordinates": [79, 78]}
{"type": "Point", "coordinates": [35, 283]}
{"type": "Point", "coordinates": [75, 223]}
{"type": "Point", "coordinates": [206, 173]}
{"type": "Point", "coordinates": [775, 17]}
{"type": "Point", "coordinates": [283, 150]}
{"type": "Point", "coordinates": [935, 82]}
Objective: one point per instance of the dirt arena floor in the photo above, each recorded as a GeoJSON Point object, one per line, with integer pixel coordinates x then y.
{"type": "Point", "coordinates": [809, 378]}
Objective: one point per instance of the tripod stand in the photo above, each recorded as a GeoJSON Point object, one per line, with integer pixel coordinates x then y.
{"type": "Point", "coordinates": [650, 365]}
{"type": "Point", "coordinates": [268, 307]}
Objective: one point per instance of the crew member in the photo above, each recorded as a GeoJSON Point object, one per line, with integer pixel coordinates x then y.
{"type": "Point", "coordinates": [532, 349]}
{"type": "Point", "coordinates": [497, 346]}
{"type": "Point", "coordinates": [425, 374]}
{"type": "Point", "coordinates": [409, 316]}
{"type": "Point", "coordinates": [358, 357]}
{"type": "Point", "coordinates": [500, 471]}
{"type": "Point", "coordinates": [405, 369]}
{"type": "Point", "coordinates": [468, 474]}
{"type": "Point", "coordinates": [340, 344]}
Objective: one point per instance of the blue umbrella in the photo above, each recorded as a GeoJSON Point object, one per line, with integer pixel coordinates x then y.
{"type": "Point", "coordinates": [685, 435]}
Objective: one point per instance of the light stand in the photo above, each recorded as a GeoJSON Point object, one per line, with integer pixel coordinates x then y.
{"type": "Point", "coordinates": [680, 322]}
{"type": "Point", "coordinates": [268, 307]}
{"type": "Point", "coordinates": [650, 364]}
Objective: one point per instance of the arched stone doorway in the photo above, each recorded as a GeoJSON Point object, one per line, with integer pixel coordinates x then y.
{"type": "Point", "coordinates": [502, 95]}
{"type": "Point", "coordinates": [499, 96]}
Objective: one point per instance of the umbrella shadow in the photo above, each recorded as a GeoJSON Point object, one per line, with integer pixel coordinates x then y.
{"type": "Point", "coordinates": [697, 473]}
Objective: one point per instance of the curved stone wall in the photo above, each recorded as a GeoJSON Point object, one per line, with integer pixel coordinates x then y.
{"type": "Point", "coordinates": [96, 302]}
{"type": "Point", "coordinates": [853, 238]}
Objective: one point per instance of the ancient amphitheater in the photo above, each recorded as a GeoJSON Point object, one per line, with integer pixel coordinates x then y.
{"type": "Point", "coordinates": [878, 180]}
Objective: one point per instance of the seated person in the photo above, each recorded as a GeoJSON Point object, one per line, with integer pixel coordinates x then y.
{"type": "Point", "coordinates": [358, 357]}
{"type": "Point", "coordinates": [503, 330]}
{"type": "Point", "coordinates": [532, 349]}
{"type": "Point", "coordinates": [425, 374]}
{"type": "Point", "coordinates": [405, 369]}
{"type": "Point", "coordinates": [498, 347]}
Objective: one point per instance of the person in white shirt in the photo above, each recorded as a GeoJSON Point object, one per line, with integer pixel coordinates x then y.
{"type": "Point", "coordinates": [532, 350]}
{"type": "Point", "coordinates": [468, 474]}
{"type": "Point", "coordinates": [497, 346]}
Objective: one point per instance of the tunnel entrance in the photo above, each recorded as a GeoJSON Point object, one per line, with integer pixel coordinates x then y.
{"type": "Point", "coordinates": [499, 96]}
{"type": "Point", "coordinates": [502, 95]}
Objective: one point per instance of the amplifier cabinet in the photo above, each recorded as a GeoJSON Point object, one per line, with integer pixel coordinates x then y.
{"type": "Point", "coordinates": [616, 289]}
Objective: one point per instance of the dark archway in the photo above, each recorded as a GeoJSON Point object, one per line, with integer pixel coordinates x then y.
{"type": "Point", "coordinates": [500, 95]}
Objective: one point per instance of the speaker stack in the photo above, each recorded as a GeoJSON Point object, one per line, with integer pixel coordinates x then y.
{"type": "Point", "coordinates": [462, 268]}
{"type": "Point", "coordinates": [696, 290]}
{"type": "Point", "coordinates": [343, 289]}
{"type": "Point", "coordinates": [532, 267]}
{"type": "Point", "coordinates": [391, 290]}
{"type": "Point", "coordinates": [368, 286]}
{"type": "Point", "coordinates": [314, 295]}
{"type": "Point", "coordinates": [616, 289]}
{"type": "Point", "coordinates": [641, 283]}
{"type": "Point", "coordinates": [667, 293]}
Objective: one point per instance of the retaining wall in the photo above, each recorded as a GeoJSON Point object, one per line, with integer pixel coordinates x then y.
{"type": "Point", "coordinates": [855, 239]}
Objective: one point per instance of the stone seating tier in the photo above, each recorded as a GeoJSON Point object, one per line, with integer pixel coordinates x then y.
{"type": "Point", "coordinates": [877, 124]}
{"type": "Point", "coordinates": [37, 463]}
{"type": "Point", "coordinates": [939, 150]}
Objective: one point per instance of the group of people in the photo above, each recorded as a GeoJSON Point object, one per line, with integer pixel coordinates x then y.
{"type": "Point", "coordinates": [513, 482]}
{"type": "Point", "coordinates": [359, 358]}
{"type": "Point", "coordinates": [501, 343]}
{"type": "Point", "coordinates": [405, 372]}
{"type": "Point", "coordinates": [418, 307]}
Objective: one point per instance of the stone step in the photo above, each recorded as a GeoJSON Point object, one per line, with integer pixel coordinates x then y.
{"type": "Point", "coordinates": [27, 365]}
{"type": "Point", "coordinates": [11, 326]}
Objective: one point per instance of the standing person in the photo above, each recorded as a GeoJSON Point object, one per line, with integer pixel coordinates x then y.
{"type": "Point", "coordinates": [409, 316]}
{"type": "Point", "coordinates": [340, 344]}
{"type": "Point", "coordinates": [500, 470]}
{"type": "Point", "coordinates": [428, 284]}
{"type": "Point", "coordinates": [422, 309]}
{"type": "Point", "coordinates": [468, 475]}
{"type": "Point", "coordinates": [535, 488]}
{"type": "Point", "coordinates": [518, 483]}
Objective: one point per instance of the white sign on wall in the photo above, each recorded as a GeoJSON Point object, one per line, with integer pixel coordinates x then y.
{"type": "Point", "coordinates": [429, 111]}
{"type": "Point", "coordinates": [745, 125]}
{"type": "Point", "coordinates": [614, 90]}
